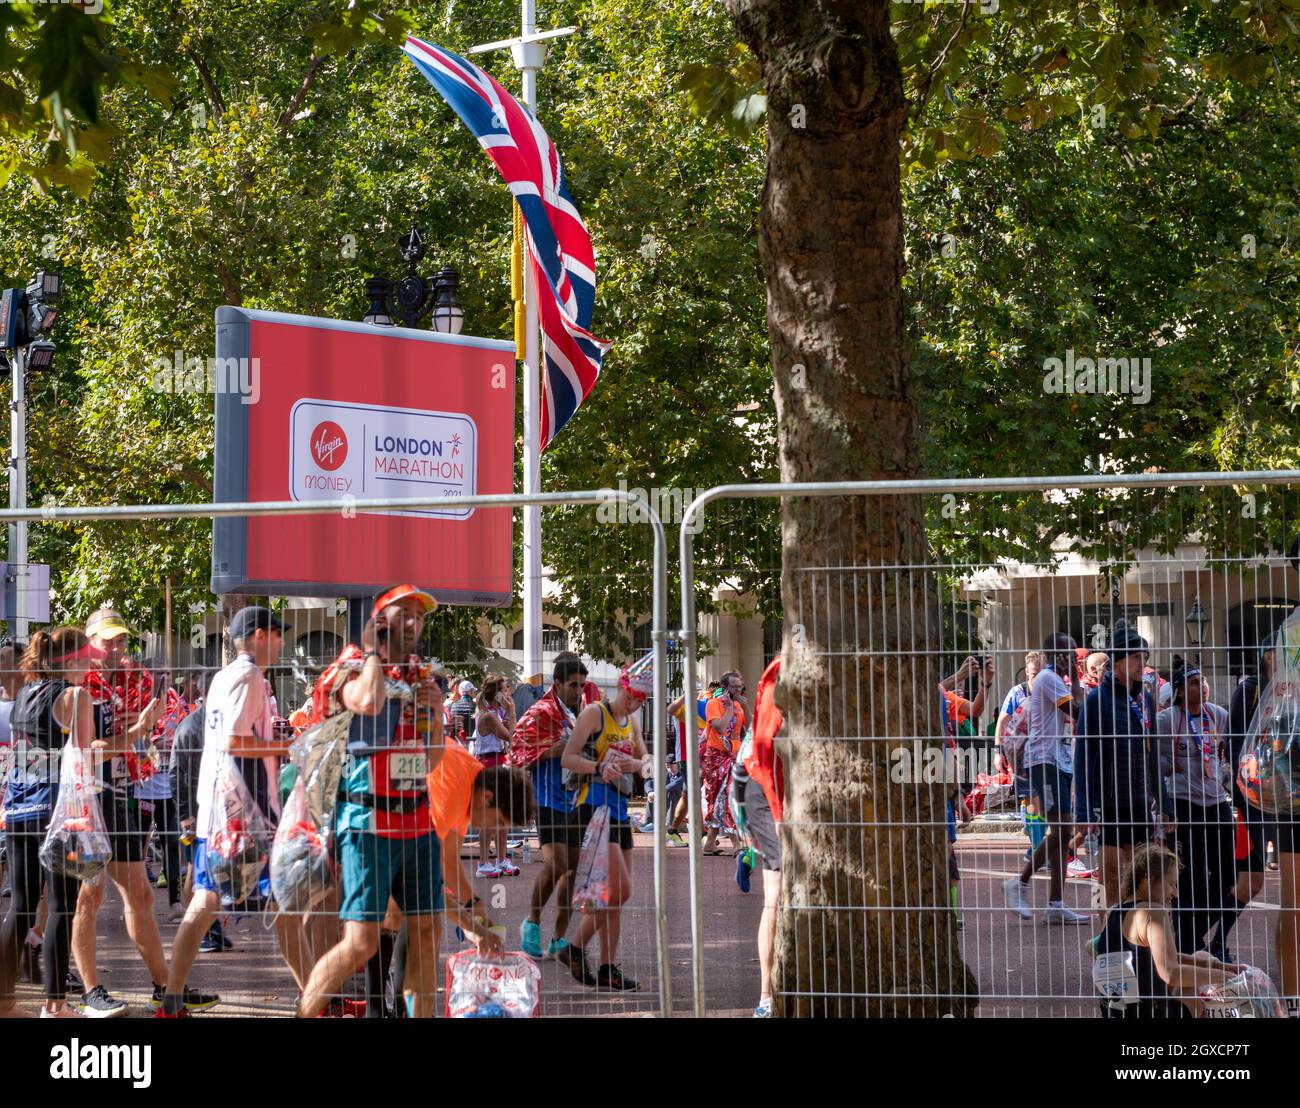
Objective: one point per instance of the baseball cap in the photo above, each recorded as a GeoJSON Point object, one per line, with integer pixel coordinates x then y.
{"type": "Point", "coordinates": [401, 592]}
{"type": "Point", "coordinates": [107, 624]}
{"type": "Point", "coordinates": [250, 619]}
{"type": "Point", "coordinates": [466, 688]}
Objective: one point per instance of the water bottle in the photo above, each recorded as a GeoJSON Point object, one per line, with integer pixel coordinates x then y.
{"type": "Point", "coordinates": [528, 852]}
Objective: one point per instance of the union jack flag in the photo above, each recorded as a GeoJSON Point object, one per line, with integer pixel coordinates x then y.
{"type": "Point", "coordinates": [559, 247]}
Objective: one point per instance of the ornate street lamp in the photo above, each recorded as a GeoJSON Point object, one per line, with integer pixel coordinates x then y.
{"type": "Point", "coordinates": [413, 297]}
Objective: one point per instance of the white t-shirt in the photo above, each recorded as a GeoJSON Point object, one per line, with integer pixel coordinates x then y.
{"type": "Point", "coordinates": [237, 704]}
{"type": "Point", "coordinates": [1051, 735]}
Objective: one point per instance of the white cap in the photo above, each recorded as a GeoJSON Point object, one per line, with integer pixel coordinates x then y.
{"type": "Point", "coordinates": [466, 688]}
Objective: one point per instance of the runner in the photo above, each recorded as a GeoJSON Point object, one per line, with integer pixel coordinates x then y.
{"type": "Point", "coordinates": [1252, 862]}
{"type": "Point", "coordinates": [686, 733]}
{"type": "Point", "coordinates": [1198, 776]}
{"type": "Point", "coordinates": [51, 709]}
{"type": "Point", "coordinates": [494, 722]}
{"type": "Point", "coordinates": [1118, 785]}
{"type": "Point", "coordinates": [1048, 756]}
{"type": "Point", "coordinates": [539, 742]}
{"type": "Point", "coordinates": [125, 714]}
{"type": "Point", "coordinates": [1168, 981]}
{"type": "Point", "coordinates": [237, 722]}
{"type": "Point", "coordinates": [759, 791]}
{"type": "Point", "coordinates": [605, 749]}
{"type": "Point", "coordinates": [154, 793]}
{"type": "Point", "coordinates": [725, 719]}
{"type": "Point", "coordinates": [387, 847]}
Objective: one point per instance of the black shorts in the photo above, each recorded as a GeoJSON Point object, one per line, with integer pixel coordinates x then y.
{"type": "Point", "coordinates": [1052, 787]}
{"type": "Point", "coordinates": [620, 831]}
{"type": "Point", "coordinates": [761, 826]}
{"type": "Point", "coordinates": [125, 836]}
{"type": "Point", "coordinates": [1123, 831]}
{"type": "Point", "coordinates": [554, 826]}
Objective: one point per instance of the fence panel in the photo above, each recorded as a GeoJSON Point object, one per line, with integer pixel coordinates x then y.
{"type": "Point", "coordinates": [892, 903]}
{"type": "Point", "coordinates": [260, 959]}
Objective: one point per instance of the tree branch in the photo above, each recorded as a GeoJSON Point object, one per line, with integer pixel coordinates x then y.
{"type": "Point", "coordinates": [215, 100]}
{"type": "Point", "coordinates": [286, 117]}
{"type": "Point", "coordinates": [937, 64]}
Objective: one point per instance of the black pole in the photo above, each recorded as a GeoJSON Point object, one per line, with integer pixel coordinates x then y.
{"type": "Point", "coordinates": [358, 613]}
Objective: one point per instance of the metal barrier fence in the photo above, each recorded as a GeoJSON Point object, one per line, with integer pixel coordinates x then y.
{"type": "Point", "coordinates": [254, 977]}
{"type": "Point", "coordinates": [878, 913]}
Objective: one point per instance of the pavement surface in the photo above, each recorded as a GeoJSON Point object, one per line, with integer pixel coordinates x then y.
{"type": "Point", "coordinates": [1024, 969]}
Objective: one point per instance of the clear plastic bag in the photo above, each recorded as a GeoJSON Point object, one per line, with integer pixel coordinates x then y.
{"type": "Point", "coordinates": [238, 846]}
{"type": "Point", "coordinates": [77, 843]}
{"type": "Point", "coordinates": [1268, 770]}
{"type": "Point", "coordinates": [1248, 995]}
{"type": "Point", "coordinates": [320, 753]}
{"type": "Point", "coordinates": [591, 879]}
{"type": "Point", "coordinates": [505, 987]}
{"type": "Point", "coordinates": [301, 873]}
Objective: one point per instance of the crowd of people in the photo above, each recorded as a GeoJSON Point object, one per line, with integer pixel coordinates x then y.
{"type": "Point", "coordinates": [433, 763]}
{"type": "Point", "coordinates": [1136, 778]}
{"type": "Point", "coordinates": [1162, 786]}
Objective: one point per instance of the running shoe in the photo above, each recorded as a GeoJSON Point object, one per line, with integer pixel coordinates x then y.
{"type": "Point", "coordinates": [530, 938]}
{"type": "Point", "coordinates": [610, 976]}
{"type": "Point", "coordinates": [1017, 902]}
{"type": "Point", "coordinates": [215, 941]}
{"type": "Point", "coordinates": [507, 868]}
{"type": "Point", "coordinates": [67, 1012]}
{"type": "Point", "coordinates": [645, 827]}
{"type": "Point", "coordinates": [160, 882]}
{"type": "Point", "coordinates": [1059, 913]}
{"type": "Point", "coordinates": [1077, 868]}
{"type": "Point", "coordinates": [97, 1004]}
{"type": "Point", "coordinates": [488, 869]}
{"type": "Point", "coordinates": [573, 957]}
{"type": "Point", "coordinates": [163, 1014]}
{"type": "Point", "coordinates": [675, 839]}
{"type": "Point", "coordinates": [514, 844]}
{"type": "Point", "coordinates": [195, 1001]}
{"type": "Point", "coordinates": [763, 1011]}
{"type": "Point", "coordinates": [73, 983]}
{"type": "Point", "coordinates": [556, 949]}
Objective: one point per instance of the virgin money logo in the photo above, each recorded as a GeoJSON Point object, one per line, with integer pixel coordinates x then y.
{"type": "Point", "coordinates": [329, 445]}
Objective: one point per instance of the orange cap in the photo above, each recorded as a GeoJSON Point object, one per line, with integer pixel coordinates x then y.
{"type": "Point", "coordinates": [401, 592]}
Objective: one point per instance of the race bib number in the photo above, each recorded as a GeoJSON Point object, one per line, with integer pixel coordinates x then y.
{"type": "Point", "coordinates": [117, 769]}
{"type": "Point", "coordinates": [407, 770]}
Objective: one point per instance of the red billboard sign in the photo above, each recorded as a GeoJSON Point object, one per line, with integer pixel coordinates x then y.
{"type": "Point", "coordinates": [329, 410]}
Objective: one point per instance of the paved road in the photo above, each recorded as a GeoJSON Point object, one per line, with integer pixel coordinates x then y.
{"type": "Point", "coordinates": [1024, 969]}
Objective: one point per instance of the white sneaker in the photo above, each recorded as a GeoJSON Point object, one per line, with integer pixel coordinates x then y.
{"type": "Point", "coordinates": [67, 1012]}
{"type": "Point", "coordinates": [1015, 891]}
{"type": "Point", "coordinates": [508, 869]}
{"type": "Point", "coordinates": [1078, 869]}
{"type": "Point", "coordinates": [488, 869]}
{"type": "Point", "coordinates": [1059, 913]}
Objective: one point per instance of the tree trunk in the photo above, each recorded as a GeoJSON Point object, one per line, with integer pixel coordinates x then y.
{"type": "Point", "coordinates": [866, 927]}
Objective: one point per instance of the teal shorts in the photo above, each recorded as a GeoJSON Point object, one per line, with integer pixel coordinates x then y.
{"type": "Point", "coordinates": [374, 868]}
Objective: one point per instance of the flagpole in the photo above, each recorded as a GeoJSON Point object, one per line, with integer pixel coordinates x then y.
{"type": "Point", "coordinates": [529, 58]}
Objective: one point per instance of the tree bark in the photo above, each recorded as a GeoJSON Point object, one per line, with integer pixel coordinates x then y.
{"type": "Point", "coordinates": [866, 927]}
